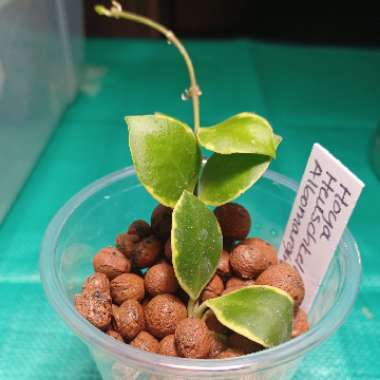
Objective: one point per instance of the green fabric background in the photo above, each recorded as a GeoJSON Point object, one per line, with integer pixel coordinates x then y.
{"type": "Point", "coordinates": [309, 94]}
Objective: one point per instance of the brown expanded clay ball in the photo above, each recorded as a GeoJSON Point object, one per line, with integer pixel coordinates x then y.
{"type": "Point", "coordinates": [160, 279]}
{"type": "Point", "coordinates": [241, 343]}
{"type": "Point", "coordinates": [140, 228]}
{"type": "Point", "coordinates": [146, 342]}
{"type": "Point", "coordinates": [163, 313]}
{"type": "Point", "coordinates": [167, 346]}
{"type": "Point", "coordinates": [234, 220]}
{"type": "Point", "coordinates": [223, 269]}
{"type": "Point", "coordinates": [126, 243]}
{"type": "Point", "coordinates": [235, 283]}
{"type": "Point", "coordinates": [97, 281]}
{"type": "Point", "coordinates": [267, 249]}
{"type": "Point", "coordinates": [192, 339]}
{"type": "Point", "coordinates": [94, 303]}
{"type": "Point", "coordinates": [130, 319]}
{"type": "Point", "coordinates": [230, 353]}
{"type": "Point", "coordinates": [248, 261]}
{"type": "Point", "coordinates": [213, 289]}
{"type": "Point", "coordinates": [217, 345]}
{"type": "Point", "coordinates": [161, 222]}
{"type": "Point", "coordinates": [285, 277]}
{"type": "Point", "coordinates": [127, 286]}
{"type": "Point", "coordinates": [214, 325]}
{"type": "Point", "coordinates": [168, 250]}
{"type": "Point", "coordinates": [146, 252]}
{"type": "Point", "coordinates": [300, 323]}
{"type": "Point", "coordinates": [114, 334]}
{"type": "Point", "coordinates": [111, 262]}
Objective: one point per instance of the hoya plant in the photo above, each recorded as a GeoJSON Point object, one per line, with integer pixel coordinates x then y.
{"type": "Point", "coordinates": [166, 154]}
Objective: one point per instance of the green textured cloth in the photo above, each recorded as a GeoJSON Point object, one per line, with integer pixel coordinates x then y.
{"type": "Point", "coordinates": [325, 95]}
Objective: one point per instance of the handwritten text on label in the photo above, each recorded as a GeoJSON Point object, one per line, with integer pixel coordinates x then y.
{"type": "Point", "coordinates": [326, 197]}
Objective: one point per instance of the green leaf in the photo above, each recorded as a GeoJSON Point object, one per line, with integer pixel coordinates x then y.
{"type": "Point", "coordinates": [242, 133]}
{"type": "Point", "coordinates": [263, 314]}
{"type": "Point", "coordinates": [165, 154]}
{"type": "Point", "coordinates": [225, 177]}
{"type": "Point", "coordinates": [196, 241]}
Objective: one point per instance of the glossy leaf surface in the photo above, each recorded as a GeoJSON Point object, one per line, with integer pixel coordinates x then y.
{"type": "Point", "coordinates": [242, 133]}
{"type": "Point", "coordinates": [225, 177]}
{"type": "Point", "coordinates": [196, 241]}
{"type": "Point", "coordinates": [165, 154]}
{"type": "Point", "coordinates": [263, 314]}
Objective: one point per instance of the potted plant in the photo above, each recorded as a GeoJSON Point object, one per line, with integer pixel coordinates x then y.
{"type": "Point", "coordinates": [239, 299]}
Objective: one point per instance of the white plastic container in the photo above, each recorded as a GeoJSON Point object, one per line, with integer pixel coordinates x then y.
{"type": "Point", "coordinates": [40, 60]}
{"type": "Point", "coordinates": [95, 215]}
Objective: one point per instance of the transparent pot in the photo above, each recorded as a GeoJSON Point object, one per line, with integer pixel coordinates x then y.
{"type": "Point", "coordinates": [92, 219]}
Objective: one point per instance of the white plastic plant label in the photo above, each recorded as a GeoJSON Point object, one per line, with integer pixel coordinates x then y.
{"type": "Point", "coordinates": [325, 200]}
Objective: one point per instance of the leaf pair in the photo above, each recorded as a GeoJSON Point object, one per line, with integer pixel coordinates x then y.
{"type": "Point", "coordinates": [167, 157]}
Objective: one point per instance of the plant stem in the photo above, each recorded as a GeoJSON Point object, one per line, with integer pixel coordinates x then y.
{"type": "Point", "coordinates": [200, 310]}
{"type": "Point", "coordinates": [190, 307]}
{"type": "Point", "coordinates": [206, 314]}
{"type": "Point", "coordinates": [194, 92]}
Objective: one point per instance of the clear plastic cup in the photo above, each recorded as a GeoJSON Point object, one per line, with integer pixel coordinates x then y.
{"type": "Point", "coordinates": [92, 219]}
